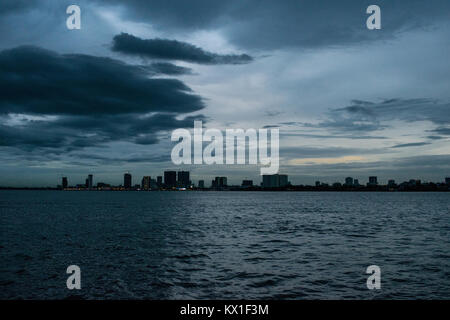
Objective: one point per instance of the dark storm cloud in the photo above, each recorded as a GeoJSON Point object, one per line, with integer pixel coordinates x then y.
{"type": "Point", "coordinates": [364, 116]}
{"type": "Point", "coordinates": [90, 100]}
{"type": "Point", "coordinates": [435, 137]}
{"type": "Point", "coordinates": [129, 159]}
{"type": "Point", "coordinates": [271, 24]}
{"type": "Point", "coordinates": [445, 131]}
{"type": "Point", "coordinates": [68, 133]}
{"type": "Point", "coordinates": [38, 81]}
{"type": "Point", "coordinates": [413, 144]}
{"type": "Point", "coordinates": [331, 136]}
{"type": "Point", "coordinates": [12, 6]}
{"type": "Point", "coordinates": [169, 69]}
{"type": "Point", "coordinates": [172, 50]}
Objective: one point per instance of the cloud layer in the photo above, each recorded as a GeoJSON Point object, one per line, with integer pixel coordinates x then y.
{"type": "Point", "coordinates": [74, 101]}
{"type": "Point", "coordinates": [172, 50]}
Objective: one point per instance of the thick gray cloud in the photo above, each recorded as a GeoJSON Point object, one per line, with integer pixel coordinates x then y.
{"type": "Point", "coordinates": [169, 69]}
{"type": "Point", "coordinates": [268, 24]}
{"type": "Point", "coordinates": [38, 81]}
{"type": "Point", "coordinates": [69, 133]}
{"type": "Point", "coordinates": [69, 102]}
{"type": "Point", "coordinates": [366, 116]}
{"type": "Point", "coordinates": [445, 131]}
{"type": "Point", "coordinates": [172, 50]}
{"type": "Point", "coordinates": [412, 144]}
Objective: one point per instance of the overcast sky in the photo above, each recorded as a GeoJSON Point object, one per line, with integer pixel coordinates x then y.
{"type": "Point", "coordinates": [104, 99]}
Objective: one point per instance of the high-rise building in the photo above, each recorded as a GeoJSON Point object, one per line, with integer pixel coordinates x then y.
{"type": "Point", "coordinates": [447, 181]}
{"type": "Point", "coordinates": [64, 182]}
{"type": "Point", "coordinates": [373, 181]}
{"type": "Point", "coordinates": [356, 183]}
{"type": "Point", "coordinates": [90, 181]}
{"type": "Point", "coordinates": [275, 181]}
{"type": "Point", "coordinates": [219, 182]}
{"type": "Point", "coordinates": [183, 179]}
{"type": "Point", "coordinates": [159, 181]}
{"type": "Point", "coordinates": [146, 183]}
{"type": "Point", "coordinates": [170, 179]}
{"type": "Point", "coordinates": [391, 183]}
{"type": "Point", "coordinates": [283, 180]}
{"type": "Point", "coordinates": [127, 180]}
{"type": "Point", "coordinates": [349, 182]}
{"type": "Point", "coordinates": [201, 184]}
{"type": "Point", "coordinates": [86, 183]}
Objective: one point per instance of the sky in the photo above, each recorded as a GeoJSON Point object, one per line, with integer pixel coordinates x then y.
{"type": "Point", "coordinates": [104, 99]}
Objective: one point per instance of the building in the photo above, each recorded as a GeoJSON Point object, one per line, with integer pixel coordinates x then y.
{"type": "Point", "coordinates": [64, 182]}
{"type": "Point", "coordinates": [170, 179]}
{"type": "Point", "coordinates": [159, 181]}
{"type": "Point", "coordinates": [283, 180]}
{"type": "Point", "coordinates": [183, 179]}
{"type": "Point", "coordinates": [201, 184]}
{"type": "Point", "coordinates": [317, 183]}
{"type": "Point", "coordinates": [102, 185]}
{"type": "Point", "coordinates": [349, 182]}
{"type": "Point", "coordinates": [219, 182]}
{"type": "Point", "coordinates": [86, 184]}
{"type": "Point", "coordinates": [247, 183]}
{"type": "Point", "coordinates": [146, 182]}
{"type": "Point", "coordinates": [447, 181]}
{"type": "Point", "coordinates": [127, 180]}
{"type": "Point", "coordinates": [275, 181]}
{"type": "Point", "coordinates": [90, 181]}
{"type": "Point", "coordinates": [356, 183]}
{"type": "Point", "coordinates": [391, 183]}
{"type": "Point", "coordinates": [373, 181]}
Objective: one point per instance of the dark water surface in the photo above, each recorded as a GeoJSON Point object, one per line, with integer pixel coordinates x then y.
{"type": "Point", "coordinates": [213, 245]}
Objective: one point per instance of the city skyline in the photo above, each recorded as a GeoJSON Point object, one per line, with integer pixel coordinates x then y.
{"type": "Point", "coordinates": [346, 100]}
{"type": "Point", "coordinates": [181, 179]}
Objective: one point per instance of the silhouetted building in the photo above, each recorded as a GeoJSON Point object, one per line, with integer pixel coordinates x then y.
{"type": "Point", "coordinates": [159, 181]}
{"type": "Point", "coordinates": [102, 185]}
{"type": "Point", "coordinates": [391, 183]}
{"type": "Point", "coordinates": [270, 181]}
{"type": "Point", "coordinates": [127, 180]}
{"type": "Point", "coordinates": [275, 181]}
{"type": "Point", "coordinates": [283, 180]}
{"type": "Point", "coordinates": [183, 179]}
{"type": "Point", "coordinates": [170, 179]}
{"type": "Point", "coordinates": [64, 182]}
{"type": "Point", "coordinates": [247, 183]}
{"type": "Point", "coordinates": [317, 183]}
{"type": "Point", "coordinates": [447, 181]}
{"type": "Point", "coordinates": [349, 182]}
{"type": "Point", "coordinates": [219, 182]}
{"type": "Point", "coordinates": [90, 181]}
{"type": "Point", "coordinates": [86, 183]}
{"type": "Point", "coordinates": [146, 181]}
{"type": "Point", "coordinates": [356, 183]}
{"type": "Point", "coordinates": [373, 181]}
{"type": "Point", "coordinates": [201, 184]}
